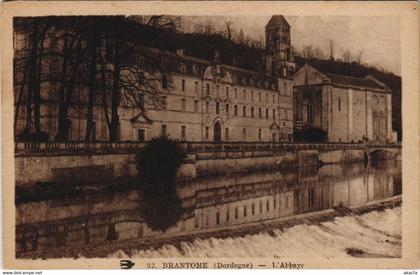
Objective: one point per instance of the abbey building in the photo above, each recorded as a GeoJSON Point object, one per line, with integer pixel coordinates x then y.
{"type": "Point", "coordinates": [205, 100]}
{"type": "Point", "coordinates": [349, 109]}
{"type": "Point", "coordinates": [214, 102]}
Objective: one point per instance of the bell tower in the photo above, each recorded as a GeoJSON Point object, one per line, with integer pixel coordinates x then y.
{"type": "Point", "coordinates": [278, 56]}
{"type": "Point", "coordinates": [280, 64]}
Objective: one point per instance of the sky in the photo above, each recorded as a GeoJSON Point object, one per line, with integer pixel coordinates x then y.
{"type": "Point", "coordinates": [376, 37]}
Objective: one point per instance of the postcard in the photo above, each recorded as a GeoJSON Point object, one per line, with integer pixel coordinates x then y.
{"type": "Point", "coordinates": [233, 135]}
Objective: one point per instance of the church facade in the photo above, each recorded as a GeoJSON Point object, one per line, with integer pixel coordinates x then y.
{"type": "Point", "coordinates": [349, 109]}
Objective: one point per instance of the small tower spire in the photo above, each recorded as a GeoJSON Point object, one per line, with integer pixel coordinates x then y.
{"type": "Point", "coordinates": [278, 55]}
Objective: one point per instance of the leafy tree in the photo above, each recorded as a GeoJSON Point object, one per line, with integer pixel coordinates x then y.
{"type": "Point", "coordinates": [159, 161]}
{"type": "Point", "coordinates": [311, 134]}
{"type": "Point", "coordinates": [157, 164]}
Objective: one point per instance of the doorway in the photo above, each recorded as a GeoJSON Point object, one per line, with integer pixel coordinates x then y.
{"type": "Point", "coordinates": [217, 132]}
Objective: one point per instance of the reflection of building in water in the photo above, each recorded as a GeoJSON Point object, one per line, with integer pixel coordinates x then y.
{"type": "Point", "coordinates": [250, 206]}
{"type": "Point", "coordinates": [212, 204]}
{"type": "Point", "coordinates": [356, 187]}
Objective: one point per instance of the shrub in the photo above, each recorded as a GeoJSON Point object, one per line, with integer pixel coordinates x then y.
{"type": "Point", "coordinates": [311, 134]}
{"type": "Point", "coordinates": [157, 164]}
{"type": "Point", "coordinates": [159, 161]}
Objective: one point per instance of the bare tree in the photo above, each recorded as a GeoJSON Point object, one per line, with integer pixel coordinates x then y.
{"type": "Point", "coordinates": [209, 27]}
{"type": "Point", "coordinates": [347, 56]}
{"type": "Point", "coordinates": [198, 28]}
{"type": "Point", "coordinates": [165, 22]}
{"type": "Point", "coordinates": [229, 29]}
{"type": "Point", "coordinates": [93, 43]}
{"type": "Point", "coordinates": [30, 69]}
{"type": "Point", "coordinates": [72, 54]}
{"type": "Point", "coordinates": [308, 52]}
{"type": "Point", "coordinates": [102, 56]}
{"type": "Point", "coordinates": [331, 49]}
{"type": "Point", "coordinates": [359, 57]}
{"type": "Point", "coordinates": [138, 76]}
{"type": "Point", "coordinates": [317, 53]}
{"type": "Point", "coordinates": [261, 42]}
{"type": "Point", "coordinates": [241, 37]}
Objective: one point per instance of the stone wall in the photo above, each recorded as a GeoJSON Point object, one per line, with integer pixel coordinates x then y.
{"type": "Point", "coordinates": [84, 169]}
{"type": "Point", "coordinates": [236, 162]}
{"type": "Point", "coordinates": [74, 168]}
{"type": "Point", "coordinates": [339, 156]}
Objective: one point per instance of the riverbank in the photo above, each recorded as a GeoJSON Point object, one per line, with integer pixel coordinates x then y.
{"type": "Point", "coordinates": [270, 227]}
{"type": "Point", "coordinates": [93, 166]}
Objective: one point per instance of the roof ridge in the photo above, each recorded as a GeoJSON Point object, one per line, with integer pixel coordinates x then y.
{"type": "Point", "coordinates": [278, 20]}
{"type": "Point", "coordinates": [343, 75]}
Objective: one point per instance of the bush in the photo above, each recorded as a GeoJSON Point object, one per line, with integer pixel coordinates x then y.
{"type": "Point", "coordinates": [311, 134]}
{"type": "Point", "coordinates": [159, 161]}
{"type": "Point", "coordinates": [157, 164]}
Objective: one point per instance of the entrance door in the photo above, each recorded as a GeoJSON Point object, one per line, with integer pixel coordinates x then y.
{"type": "Point", "coordinates": [217, 132]}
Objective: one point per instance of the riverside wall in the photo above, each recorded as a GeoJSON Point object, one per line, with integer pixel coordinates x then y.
{"type": "Point", "coordinates": [93, 168]}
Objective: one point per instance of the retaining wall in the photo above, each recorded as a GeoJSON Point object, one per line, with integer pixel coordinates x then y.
{"type": "Point", "coordinates": [90, 168]}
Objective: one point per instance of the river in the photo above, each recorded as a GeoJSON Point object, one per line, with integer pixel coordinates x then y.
{"type": "Point", "coordinates": [207, 217]}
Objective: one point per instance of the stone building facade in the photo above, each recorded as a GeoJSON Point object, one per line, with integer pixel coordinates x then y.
{"type": "Point", "coordinates": [212, 102]}
{"type": "Point", "coordinates": [350, 109]}
{"type": "Point", "coordinates": [201, 100]}
{"type": "Point", "coordinates": [204, 100]}
{"type": "Point", "coordinates": [221, 103]}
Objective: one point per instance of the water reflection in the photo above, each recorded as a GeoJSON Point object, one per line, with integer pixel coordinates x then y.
{"type": "Point", "coordinates": [161, 208]}
{"type": "Point", "coordinates": [199, 206]}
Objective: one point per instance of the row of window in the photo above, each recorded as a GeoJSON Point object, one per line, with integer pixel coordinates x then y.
{"type": "Point", "coordinates": [274, 136]}
{"type": "Point", "coordinates": [227, 109]}
{"type": "Point", "coordinates": [251, 96]}
{"type": "Point", "coordinates": [253, 211]}
{"type": "Point", "coordinates": [253, 112]}
{"type": "Point", "coordinates": [142, 134]}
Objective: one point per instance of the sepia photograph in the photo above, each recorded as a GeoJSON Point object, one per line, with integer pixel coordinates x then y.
{"type": "Point", "coordinates": [207, 136]}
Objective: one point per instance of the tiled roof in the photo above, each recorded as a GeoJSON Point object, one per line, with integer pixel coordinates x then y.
{"type": "Point", "coordinates": [174, 62]}
{"type": "Point", "coordinates": [277, 20]}
{"type": "Point", "coordinates": [353, 81]}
